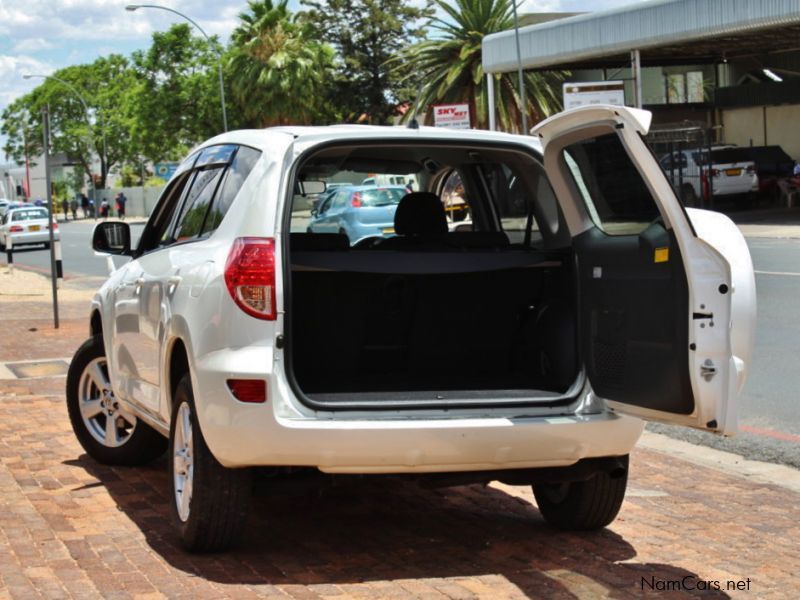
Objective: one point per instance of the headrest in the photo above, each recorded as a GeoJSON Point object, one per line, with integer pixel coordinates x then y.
{"type": "Point", "coordinates": [420, 213]}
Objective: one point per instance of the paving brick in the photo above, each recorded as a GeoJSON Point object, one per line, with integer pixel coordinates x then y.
{"type": "Point", "coordinates": [72, 528]}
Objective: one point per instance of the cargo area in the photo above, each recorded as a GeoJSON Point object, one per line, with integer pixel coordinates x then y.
{"type": "Point", "coordinates": [427, 326]}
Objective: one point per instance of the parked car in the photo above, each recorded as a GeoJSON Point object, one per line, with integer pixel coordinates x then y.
{"type": "Point", "coordinates": [233, 344]}
{"type": "Point", "coordinates": [6, 205]}
{"type": "Point", "coordinates": [733, 174]}
{"type": "Point", "coordinates": [27, 226]}
{"type": "Point", "coordinates": [359, 211]}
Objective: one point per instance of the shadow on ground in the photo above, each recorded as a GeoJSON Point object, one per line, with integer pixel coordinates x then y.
{"type": "Point", "coordinates": [369, 530]}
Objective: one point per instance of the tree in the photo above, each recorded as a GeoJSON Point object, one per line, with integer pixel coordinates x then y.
{"type": "Point", "coordinates": [448, 68]}
{"type": "Point", "coordinates": [175, 102]}
{"type": "Point", "coordinates": [102, 132]}
{"type": "Point", "coordinates": [277, 71]}
{"type": "Point", "coordinates": [366, 34]}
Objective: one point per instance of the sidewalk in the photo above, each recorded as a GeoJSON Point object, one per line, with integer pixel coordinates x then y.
{"type": "Point", "coordinates": [70, 527]}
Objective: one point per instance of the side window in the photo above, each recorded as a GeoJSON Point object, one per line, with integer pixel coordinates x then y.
{"type": "Point", "coordinates": [456, 206]}
{"type": "Point", "coordinates": [195, 207]}
{"type": "Point", "coordinates": [243, 162]}
{"type": "Point", "coordinates": [158, 225]}
{"type": "Point", "coordinates": [615, 194]}
{"type": "Point", "coordinates": [340, 199]}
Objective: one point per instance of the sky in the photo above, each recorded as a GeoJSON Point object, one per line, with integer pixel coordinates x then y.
{"type": "Point", "coordinates": [41, 36]}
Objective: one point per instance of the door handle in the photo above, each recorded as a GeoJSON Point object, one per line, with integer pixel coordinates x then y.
{"type": "Point", "coordinates": [172, 283]}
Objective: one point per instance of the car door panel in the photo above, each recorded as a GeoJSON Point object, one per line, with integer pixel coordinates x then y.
{"type": "Point", "coordinates": [656, 305]}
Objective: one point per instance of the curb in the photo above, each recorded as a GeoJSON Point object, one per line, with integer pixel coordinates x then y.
{"type": "Point", "coordinates": [725, 462]}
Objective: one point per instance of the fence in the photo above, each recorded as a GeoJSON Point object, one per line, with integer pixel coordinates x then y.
{"type": "Point", "coordinates": [141, 200]}
{"type": "Point", "coordinates": [683, 153]}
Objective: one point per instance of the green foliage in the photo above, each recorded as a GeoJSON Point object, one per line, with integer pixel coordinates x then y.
{"type": "Point", "coordinates": [366, 35]}
{"type": "Point", "coordinates": [175, 102]}
{"type": "Point", "coordinates": [448, 68]}
{"type": "Point", "coordinates": [102, 85]}
{"type": "Point", "coordinates": [277, 70]}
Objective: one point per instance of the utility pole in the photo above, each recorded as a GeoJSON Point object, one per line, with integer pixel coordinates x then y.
{"type": "Point", "coordinates": [48, 185]}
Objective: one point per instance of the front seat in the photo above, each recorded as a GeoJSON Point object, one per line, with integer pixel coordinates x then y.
{"type": "Point", "coordinates": [419, 223]}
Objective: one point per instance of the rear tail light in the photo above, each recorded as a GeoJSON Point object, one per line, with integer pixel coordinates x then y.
{"type": "Point", "coordinates": [248, 390]}
{"type": "Point", "coordinates": [356, 201]}
{"type": "Point", "coordinates": [750, 169]}
{"type": "Point", "coordinates": [16, 229]}
{"type": "Point", "coordinates": [715, 172]}
{"type": "Point", "coordinates": [250, 276]}
{"type": "Point", "coordinates": [55, 225]}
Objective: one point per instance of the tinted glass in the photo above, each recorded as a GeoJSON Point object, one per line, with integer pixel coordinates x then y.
{"type": "Point", "coordinates": [616, 196]}
{"type": "Point", "coordinates": [195, 207]}
{"type": "Point", "coordinates": [243, 162]}
{"type": "Point", "coordinates": [215, 155]}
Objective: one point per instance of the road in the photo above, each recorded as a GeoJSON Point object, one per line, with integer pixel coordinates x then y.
{"type": "Point", "coordinates": [768, 410]}
{"type": "Point", "coordinates": [77, 256]}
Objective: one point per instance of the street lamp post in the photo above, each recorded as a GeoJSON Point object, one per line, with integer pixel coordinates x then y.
{"type": "Point", "coordinates": [73, 89]}
{"type": "Point", "coordinates": [133, 7]}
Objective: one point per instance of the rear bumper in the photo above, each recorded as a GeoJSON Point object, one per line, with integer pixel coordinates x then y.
{"type": "Point", "coordinates": [275, 434]}
{"type": "Point", "coordinates": [33, 237]}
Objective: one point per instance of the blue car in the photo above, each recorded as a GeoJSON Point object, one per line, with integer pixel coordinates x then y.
{"type": "Point", "coordinates": [359, 211]}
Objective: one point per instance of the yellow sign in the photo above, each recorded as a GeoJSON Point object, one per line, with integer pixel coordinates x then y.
{"type": "Point", "coordinates": [662, 255]}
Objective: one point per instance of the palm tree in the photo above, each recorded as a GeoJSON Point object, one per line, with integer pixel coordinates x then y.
{"type": "Point", "coordinates": [277, 70]}
{"type": "Point", "coordinates": [448, 65]}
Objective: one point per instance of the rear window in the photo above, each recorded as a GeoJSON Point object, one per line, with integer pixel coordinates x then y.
{"type": "Point", "coordinates": [29, 215]}
{"type": "Point", "coordinates": [723, 156]}
{"type": "Point", "coordinates": [381, 196]}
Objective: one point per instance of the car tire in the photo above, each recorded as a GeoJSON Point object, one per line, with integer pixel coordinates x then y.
{"type": "Point", "coordinates": [688, 197]}
{"type": "Point", "coordinates": [583, 505]}
{"type": "Point", "coordinates": [212, 513]}
{"type": "Point", "coordinates": [107, 431]}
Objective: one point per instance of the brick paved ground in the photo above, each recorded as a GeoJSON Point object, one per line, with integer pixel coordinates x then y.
{"type": "Point", "coordinates": [72, 528]}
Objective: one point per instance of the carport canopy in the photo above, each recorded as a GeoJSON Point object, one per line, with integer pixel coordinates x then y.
{"type": "Point", "coordinates": [664, 32]}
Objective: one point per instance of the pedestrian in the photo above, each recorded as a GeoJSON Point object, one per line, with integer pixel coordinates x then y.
{"type": "Point", "coordinates": [796, 170]}
{"type": "Point", "coordinates": [84, 205]}
{"type": "Point", "coordinates": [121, 201]}
{"type": "Point", "coordinates": [92, 211]}
{"type": "Point", "coordinates": [65, 208]}
{"type": "Point", "coordinates": [104, 206]}
{"type": "Point", "coordinates": [73, 207]}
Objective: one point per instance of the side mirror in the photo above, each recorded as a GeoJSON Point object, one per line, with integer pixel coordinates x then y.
{"type": "Point", "coordinates": [112, 238]}
{"type": "Point", "coordinates": [310, 188]}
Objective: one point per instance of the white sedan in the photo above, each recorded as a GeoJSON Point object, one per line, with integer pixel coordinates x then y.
{"type": "Point", "coordinates": [25, 226]}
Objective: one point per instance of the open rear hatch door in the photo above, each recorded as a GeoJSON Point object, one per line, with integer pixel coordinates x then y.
{"type": "Point", "coordinates": [666, 309]}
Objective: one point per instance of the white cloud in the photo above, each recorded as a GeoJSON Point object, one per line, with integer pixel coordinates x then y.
{"type": "Point", "coordinates": [12, 68]}
{"type": "Point", "coordinates": [32, 45]}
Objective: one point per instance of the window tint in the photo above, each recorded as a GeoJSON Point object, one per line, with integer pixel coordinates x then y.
{"type": "Point", "coordinates": [195, 207]}
{"type": "Point", "coordinates": [340, 199]}
{"type": "Point", "coordinates": [155, 232]}
{"type": "Point", "coordinates": [243, 162]}
{"type": "Point", "coordinates": [381, 196]}
{"type": "Point", "coordinates": [615, 194]}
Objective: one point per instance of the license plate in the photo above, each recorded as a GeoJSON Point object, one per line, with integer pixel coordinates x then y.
{"type": "Point", "coordinates": [388, 230]}
{"type": "Point", "coordinates": [733, 172]}
{"type": "Point", "coordinates": [34, 227]}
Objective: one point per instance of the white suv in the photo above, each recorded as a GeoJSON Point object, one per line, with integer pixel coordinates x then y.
{"type": "Point", "coordinates": [523, 349]}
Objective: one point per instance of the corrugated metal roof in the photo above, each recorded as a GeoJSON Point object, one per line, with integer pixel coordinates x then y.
{"type": "Point", "coordinates": [642, 26]}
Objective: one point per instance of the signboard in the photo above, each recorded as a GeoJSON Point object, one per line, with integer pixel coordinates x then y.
{"type": "Point", "coordinates": [454, 116]}
{"type": "Point", "coordinates": [165, 170]}
{"type": "Point", "coordinates": [597, 92]}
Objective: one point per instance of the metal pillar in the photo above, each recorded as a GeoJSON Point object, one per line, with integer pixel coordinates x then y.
{"type": "Point", "coordinates": [492, 107]}
{"type": "Point", "coordinates": [522, 99]}
{"type": "Point", "coordinates": [48, 186]}
{"type": "Point", "coordinates": [636, 67]}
